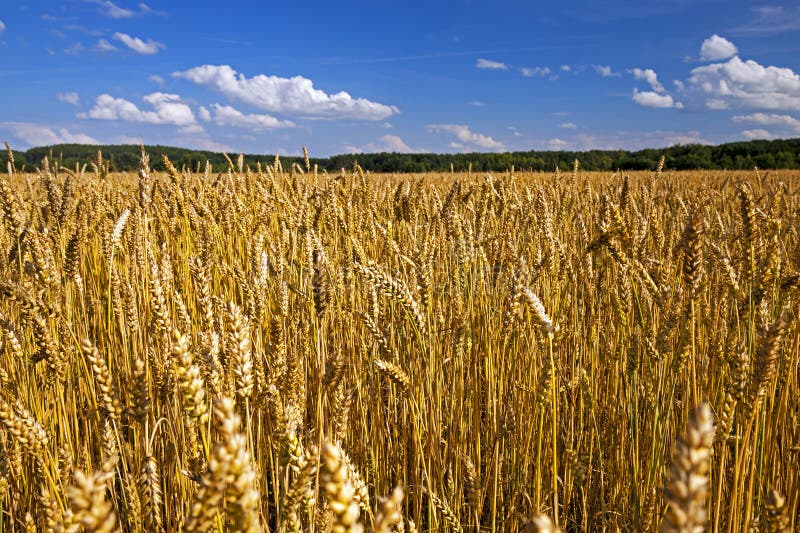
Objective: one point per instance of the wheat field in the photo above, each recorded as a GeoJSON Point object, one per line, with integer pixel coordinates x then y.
{"type": "Point", "coordinates": [259, 348]}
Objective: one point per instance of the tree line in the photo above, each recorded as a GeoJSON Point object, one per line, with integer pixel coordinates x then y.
{"type": "Point", "coordinates": [783, 153]}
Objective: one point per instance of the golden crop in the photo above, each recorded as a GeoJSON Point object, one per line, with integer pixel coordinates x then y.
{"type": "Point", "coordinates": [267, 349]}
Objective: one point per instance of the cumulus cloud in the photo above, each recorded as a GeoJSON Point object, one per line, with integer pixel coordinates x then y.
{"type": "Point", "coordinates": [649, 75]}
{"type": "Point", "coordinates": [557, 144]}
{"type": "Point", "coordinates": [2, 26]}
{"type": "Point", "coordinates": [568, 125]}
{"type": "Point", "coordinates": [566, 68]}
{"type": "Point", "coordinates": [112, 10]}
{"type": "Point", "coordinates": [39, 135]}
{"type": "Point", "coordinates": [71, 98]}
{"type": "Point", "coordinates": [386, 143]}
{"type": "Point", "coordinates": [653, 99]}
{"type": "Point", "coordinates": [225, 115]}
{"type": "Point", "coordinates": [715, 48]}
{"type": "Point", "coordinates": [467, 137]}
{"type": "Point", "coordinates": [757, 134]}
{"type": "Point", "coordinates": [296, 95]}
{"type": "Point", "coordinates": [139, 46]}
{"type": "Point", "coordinates": [168, 109]}
{"type": "Point", "coordinates": [770, 119]}
{"type": "Point", "coordinates": [155, 78]}
{"type": "Point", "coordinates": [605, 70]}
{"type": "Point", "coordinates": [745, 84]}
{"type": "Point", "coordinates": [490, 65]}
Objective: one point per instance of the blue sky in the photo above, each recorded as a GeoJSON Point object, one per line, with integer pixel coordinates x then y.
{"type": "Point", "coordinates": [359, 75]}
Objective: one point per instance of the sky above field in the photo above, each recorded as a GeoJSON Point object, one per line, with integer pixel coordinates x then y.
{"type": "Point", "coordinates": [368, 76]}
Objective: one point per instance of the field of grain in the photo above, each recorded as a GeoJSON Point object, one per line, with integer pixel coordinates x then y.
{"type": "Point", "coordinates": [253, 349]}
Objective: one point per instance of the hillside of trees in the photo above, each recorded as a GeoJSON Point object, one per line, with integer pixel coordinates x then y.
{"type": "Point", "coordinates": [783, 153]}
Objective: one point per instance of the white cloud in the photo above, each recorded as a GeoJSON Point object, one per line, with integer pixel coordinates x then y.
{"type": "Point", "coordinates": [767, 119]}
{"type": "Point", "coordinates": [542, 72]}
{"type": "Point", "coordinates": [205, 114]}
{"type": "Point", "coordinates": [649, 75]}
{"type": "Point", "coordinates": [757, 134]}
{"type": "Point", "coordinates": [192, 128]}
{"type": "Point", "coordinates": [745, 84]}
{"type": "Point", "coordinates": [225, 115]}
{"type": "Point", "coordinates": [70, 98]}
{"type": "Point", "coordinates": [566, 68]}
{"type": "Point", "coordinates": [477, 104]}
{"type": "Point", "coordinates": [568, 125]}
{"type": "Point", "coordinates": [653, 99]}
{"type": "Point", "coordinates": [557, 144]}
{"type": "Point", "coordinates": [690, 137]}
{"type": "Point", "coordinates": [2, 26]}
{"type": "Point", "coordinates": [387, 143]}
{"type": "Point", "coordinates": [139, 46]}
{"type": "Point", "coordinates": [716, 104]}
{"type": "Point", "coordinates": [637, 140]}
{"type": "Point", "coordinates": [204, 143]}
{"type": "Point", "coordinates": [468, 137]}
{"type": "Point", "coordinates": [715, 48]}
{"type": "Point", "coordinates": [112, 10]}
{"type": "Point", "coordinates": [387, 125]}
{"type": "Point", "coordinates": [295, 95]}
{"type": "Point", "coordinates": [514, 131]}
{"type": "Point", "coordinates": [38, 135]}
{"type": "Point", "coordinates": [393, 143]}
{"type": "Point", "coordinates": [605, 71]}
{"type": "Point", "coordinates": [104, 46]}
{"type": "Point", "coordinates": [75, 49]}
{"type": "Point", "coordinates": [128, 139]}
{"type": "Point", "coordinates": [771, 19]}
{"type": "Point", "coordinates": [491, 65]}
{"type": "Point", "coordinates": [155, 78]}
{"type": "Point", "coordinates": [168, 109]}
{"type": "Point", "coordinates": [92, 32]}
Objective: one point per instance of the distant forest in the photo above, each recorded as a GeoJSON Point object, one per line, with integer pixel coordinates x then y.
{"type": "Point", "coordinates": [739, 155]}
